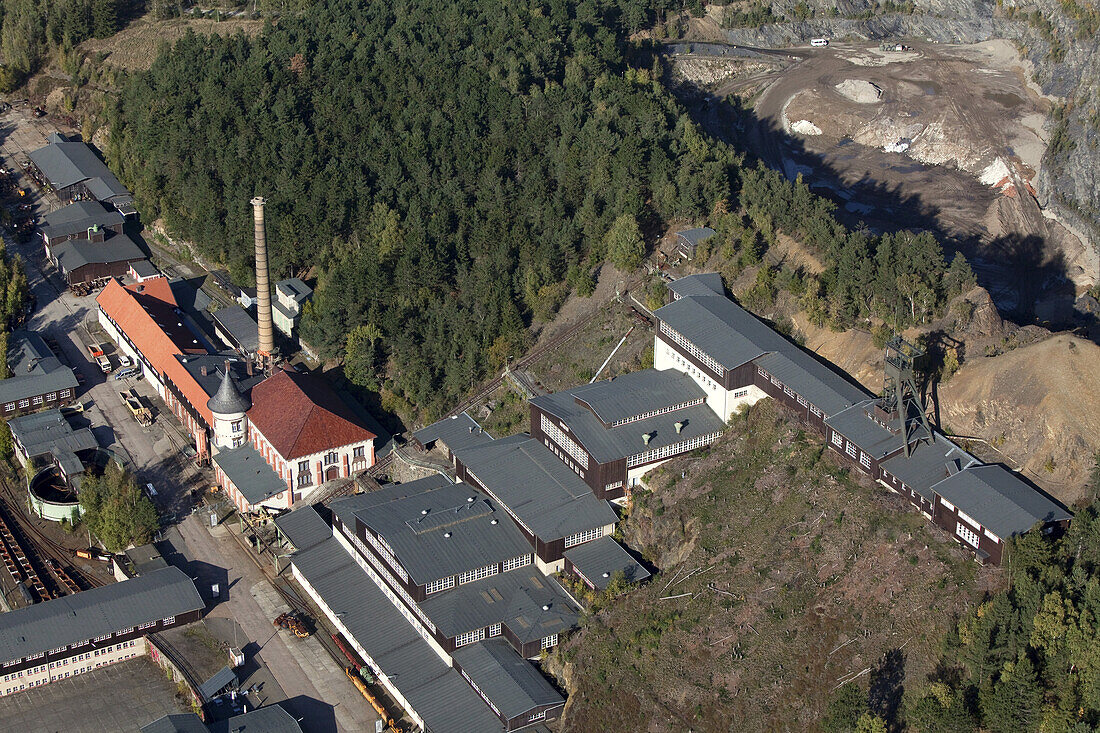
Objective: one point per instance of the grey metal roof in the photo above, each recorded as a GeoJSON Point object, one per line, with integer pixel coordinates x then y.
{"type": "Point", "coordinates": [856, 425]}
{"type": "Point", "coordinates": [48, 432]}
{"type": "Point", "coordinates": [250, 473]}
{"type": "Point", "coordinates": [610, 444]}
{"type": "Point", "coordinates": [228, 399]}
{"type": "Point", "coordinates": [78, 218]}
{"type": "Point", "coordinates": [515, 599]}
{"type": "Point", "coordinates": [239, 325]}
{"type": "Point", "coordinates": [697, 235]}
{"type": "Point", "coordinates": [824, 388]}
{"type": "Point", "coordinates": [542, 491]}
{"type": "Point", "coordinates": [346, 506]}
{"type": "Point", "coordinates": [145, 559]}
{"type": "Point", "coordinates": [178, 723]}
{"type": "Point", "coordinates": [303, 527]}
{"type": "Point", "coordinates": [999, 500]}
{"type": "Point", "coordinates": [435, 691]}
{"type": "Point", "coordinates": [438, 531]}
{"type": "Point", "coordinates": [456, 432]}
{"type": "Point", "coordinates": [929, 464]}
{"type": "Point", "coordinates": [506, 678]}
{"type": "Point", "coordinates": [77, 618]}
{"type": "Point", "coordinates": [76, 253]}
{"type": "Point", "coordinates": [725, 331]}
{"type": "Point", "coordinates": [144, 268]}
{"type": "Point", "coordinates": [34, 369]}
{"type": "Point", "coordinates": [211, 381]}
{"type": "Point", "coordinates": [637, 393]}
{"type": "Point", "coordinates": [269, 719]}
{"type": "Point", "coordinates": [222, 679]}
{"type": "Point", "coordinates": [601, 558]}
{"type": "Point", "coordinates": [68, 163]}
{"type": "Point", "coordinates": [704, 283]}
{"type": "Point", "coordinates": [295, 289]}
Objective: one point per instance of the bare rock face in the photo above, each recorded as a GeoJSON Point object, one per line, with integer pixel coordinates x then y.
{"type": "Point", "coordinates": [978, 316]}
{"type": "Point", "coordinates": [1066, 66]}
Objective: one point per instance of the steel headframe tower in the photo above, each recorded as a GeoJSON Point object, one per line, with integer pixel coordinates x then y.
{"type": "Point", "coordinates": [263, 287]}
{"type": "Point", "coordinates": [900, 395]}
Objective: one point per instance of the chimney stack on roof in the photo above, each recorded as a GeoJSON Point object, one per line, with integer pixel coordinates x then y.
{"type": "Point", "coordinates": [646, 437]}
{"type": "Point", "coordinates": [679, 428]}
{"type": "Point", "coordinates": [263, 286]}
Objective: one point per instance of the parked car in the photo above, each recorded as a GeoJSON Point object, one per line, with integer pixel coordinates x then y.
{"type": "Point", "coordinates": [132, 371]}
{"type": "Point", "coordinates": [124, 361]}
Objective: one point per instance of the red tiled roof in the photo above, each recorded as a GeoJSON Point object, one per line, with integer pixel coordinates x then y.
{"type": "Point", "coordinates": [300, 414]}
{"type": "Point", "coordinates": [139, 313]}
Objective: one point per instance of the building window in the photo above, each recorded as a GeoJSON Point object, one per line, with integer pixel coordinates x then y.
{"type": "Point", "coordinates": [967, 518]}
{"type": "Point", "coordinates": [102, 638]}
{"type": "Point", "coordinates": [517, 562]}
{"type": "Point", "coordinates": [65, 393]}
{"type": "Point", "coordinates": [612, 486]}
{"type": "Point", "coordinates": [947, 504]}
{"type": "Point", "coordinates": [236, 426]}
{"type": "Point", "coordinates": [581, 537]}
{"type": "Point", "coordinates": [168, 620]}
{"type": "Point", "coordinates": [865, 460]}
{"type": "Point", "coordinates": [331, 458]}
{"type": "Point", "coordinates": [471, 575]}
{"type": "Point", "coordinates": [851, 450]}
{"type": "Point", "coordinates": [533, 717]}
{"type": "Point", "coordinates": [494, 630]}
{"type": "Point", "coordinates": [567, 444]}
{"type": "Point", "coordinates": [815, 411]}
{"type": "Point", "coordinates": [668, 451]}
{"type": "Point", "coordinates": [692, 349]}
{"type": "Point", "coordinates": [9, 406]}
{"type": "Point", "coordinates": [238, 442]}
{"type": "Point", "coordinates": [51, 396]}
{"type": "Point", "coordinates": [802, 401]}
{"type": "Point", "coordinates": [549, 641]}
{"type": "Point", "coordinates": [470, 637]}
{"type": "Point", "coordinates": [359, 452]}
{"type": "Point", "coordinates": [24, 403]}
{"type": "Point", "coordinates": [303, 466]}
{"type": "Point", "coordinates": [442, 584]}
{"type": "Point", "coordinates": [38, 400]}
{"type": "Point", "coordinates": [838, 439]}
{"type": "Point", "coordinates": [968, 535]}
{"type": "Point", "coordinates": [788, 391]}
{"type": "Point", "coordinates": [991, 536]}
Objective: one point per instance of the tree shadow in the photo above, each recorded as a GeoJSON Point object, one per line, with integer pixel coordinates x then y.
{"type": "Point", "coordinates": [887, 684]}
{"type": "Point", "coordinates": [1027, 278]}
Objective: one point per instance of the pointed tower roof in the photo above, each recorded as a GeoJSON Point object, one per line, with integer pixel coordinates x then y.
{"type": "Point", "coordinates": [228, 399]}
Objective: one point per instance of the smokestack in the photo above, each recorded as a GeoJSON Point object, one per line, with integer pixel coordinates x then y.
{"type": "Point", "coordinates": [263, 288]}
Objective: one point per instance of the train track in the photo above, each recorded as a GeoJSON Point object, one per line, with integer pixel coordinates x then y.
{"type": "Point", "coordinates": [53, 559]}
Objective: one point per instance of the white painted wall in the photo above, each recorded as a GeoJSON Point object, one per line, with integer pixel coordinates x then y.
{"type": "Point", "coordinates": [70, 666]}
{"type": "Point", "coordinates": [722, 401]}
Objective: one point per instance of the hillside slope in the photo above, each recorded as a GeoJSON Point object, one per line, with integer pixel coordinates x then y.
{"type": "Point", "coordinates": [780, 578]}
{"type": "Point", "coordinates": [1038, 402]}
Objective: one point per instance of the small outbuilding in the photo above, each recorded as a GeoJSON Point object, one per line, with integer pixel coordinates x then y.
{"type": "Point", "coordinates": [688, 241]}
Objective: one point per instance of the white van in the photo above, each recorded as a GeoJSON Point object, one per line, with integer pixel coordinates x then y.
{"type": "Point", "coordinates": [819, 42]}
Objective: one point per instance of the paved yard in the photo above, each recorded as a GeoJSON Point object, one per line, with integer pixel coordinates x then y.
{"type": "Point", "coordinates": [120, 697]}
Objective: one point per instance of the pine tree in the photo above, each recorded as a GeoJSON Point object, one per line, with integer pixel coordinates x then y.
{"type": "Point", "coordinates": [104, 18]}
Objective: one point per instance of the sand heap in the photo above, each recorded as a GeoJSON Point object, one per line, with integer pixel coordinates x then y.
{"type": "Point", "coordinates": [860, 91]}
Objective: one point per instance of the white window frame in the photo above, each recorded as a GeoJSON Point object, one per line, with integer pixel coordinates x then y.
{"type": "Point", "coordinates": [865, 460]}
{"type": "Point", "coordinates": [440, 585]}
{"type": "Point", "coordinates": [947, 504]}
{"type": "Point", "coordinates": [470, 637]}
{"type": "Point", "coordinates": [477, 574]}
{"type": "Point", "coordinates": [851, 450]}
{"type": "Point", "coordinates": [570, 446]}
{"type": "Point", "coordinates": [494, 630]}
{"type": "Point", "coordinates": [668, 451]}
{"type": "Point", "coordinates": [967, 534]}
{"type": "Point", "coordinates": [584, 536]}
{"type": "Point", "coordinates": [838, 439]}
{"type": "Point", "coordinates": [692, 349]}
{"type": "Point", "coordinates": [990, 535]}
{"type": "Point", "coordinates": [548, 641]}
{"type": "Point", "coordinates": [517, 562]}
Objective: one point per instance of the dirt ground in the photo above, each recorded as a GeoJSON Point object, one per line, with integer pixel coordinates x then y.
{"type": "Point", "coordinates": [136, 45]}
{"type": "Point", "coordinates": [940, 137]}
{"type": "Point", "coordinates": [780, 577]}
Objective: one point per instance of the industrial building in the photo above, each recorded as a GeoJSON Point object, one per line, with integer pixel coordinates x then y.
{"type": "Point", "coordinates": [38, 378]}
{"type": "Point", "coordinates": [47, 438]}
{"type": "Point", "coordinates": [612, 432]}
{"type": "Point", "coordinates": [81, 261]}
{"type": "Point", "coordinates": [75, 172]}
{"type": "Point", "coordinates": [688, 241]}
{"type": "Point", "coordinates": [738, 360]}
{"type": "Point", "coordinates": [268, 719]}
{"type": "Point", "coordinates": [274, 435]}
{"type": "Point", "coordinates": [66, 636]}
{"type": "Point", "coordinates": [88, 220]}
{"type": "Point", "coordinates": [291, 295]}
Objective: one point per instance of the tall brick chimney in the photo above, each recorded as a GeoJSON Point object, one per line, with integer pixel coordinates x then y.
{"type": "Point", "coordinates": [263, 286]}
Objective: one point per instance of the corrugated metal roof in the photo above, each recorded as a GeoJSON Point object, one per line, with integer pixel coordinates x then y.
{"type": "Point", "coordinates": [722, 329]}
{"type": "Point", "coordinates": [704, 283]}
{"type": "Point", "coordinates": [77, 618]}
{"type": "Point", "coordinates": [436, 692]}
{"type": "Point", "coordinates": [250, 473]}
{"type": "Point", "coordinates": [637, 393]}
{"type": "Point", "coordinates": [34, 369]}
{"type": "Point", "coordinates": [270, 719]}
{"type": "Point", "coordinates": [857, 426]}
{"type": "Point", "coordinates": [178, 723]}
{"type": "Point", "coordinates": [77, 218]}
{"type": "Point", "coordinates": [304, 527]}
{"type": "Point", "coordinates": [600, 559]}
{"type": "Point", "coordinates": [929, 464]}
{"type": "Point", "coordinates": [48, 432]}
{"type": "Point", "coordinates": [67, 163]}
{"type": "Point", "coordinates": [437, 531]}
{"type": "Point", "coordinates": [76, 253]}
{"type": "Point", "coordinates": [456, 432]}
{"type": "Point", "coordinates": [530, 604]}
{"type": "Point", "coordinates": [240, 326]}
{"type": "Point", "coordinates": [222, 679]}
{"type": "Point", "coordinates": [506, 678]}
{"type": "Point", "coordinates": [697, 235]}
{"type": "Point", "coordinates": [815, 381]}
{"type": "Point", "coordinates": [610, 444]}
{"type": "Point", "coordinates": [542, 491]}
{"type": "Point", "coordinates": [999, 500]}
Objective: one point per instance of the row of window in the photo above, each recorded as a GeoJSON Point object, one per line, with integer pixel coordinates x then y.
{"type": "Point", "coordinates": [552, 431]}
{"type": "Point", "coordinates": [517, 562]}
{"type": "Point", "coordinates": [484, 572]}
{"type": "Point", "coordinates": [38, 400]}
{"type": "Point", "coordinates": [668, 451]}
{"type": "Point", "coordinates": [688, 367]}
{"type": "Point", "coordinates": [470, 637]}
{"type": "Point", "coordinates": [788, 391]}
{"type": "Point", "coordinates": [383, 549]}
{"type": "Point", "coordinates": [438, 585]}
{"type": "Point", "coordinates": [692, 349]}
{"type": "Point", "coordinates": [581, 537]}
{"type": "Point", "coordinates": [564, 458]}
{"type": "Point", "coordinates": [70, 660]}
{"type": "Point", "coordinates": [655, 413]}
